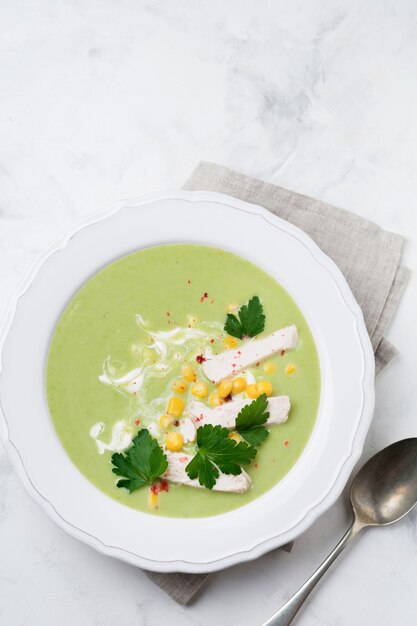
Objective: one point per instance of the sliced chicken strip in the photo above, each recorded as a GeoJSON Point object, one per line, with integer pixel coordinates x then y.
{"type": "Point", "coordinates": [226, 414]}
{"type": "Point", "coordinates": [230, 362]}
{"type": "Point", "coordinates": [178, 461]}
{"type": "Point", "coordinates": [187, 430]}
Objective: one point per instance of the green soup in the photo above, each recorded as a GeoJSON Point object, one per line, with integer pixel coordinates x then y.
{"type": "Point", "coordinates": [150, 312]}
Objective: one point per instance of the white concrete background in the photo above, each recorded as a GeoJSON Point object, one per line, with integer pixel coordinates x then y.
{"type": "Point", "coordinates": [103, 100]}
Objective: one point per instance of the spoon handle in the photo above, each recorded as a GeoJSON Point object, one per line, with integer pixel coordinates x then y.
{"type": "Point", "coordinates": [286, 613]}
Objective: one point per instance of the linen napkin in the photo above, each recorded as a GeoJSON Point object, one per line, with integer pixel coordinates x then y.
{"type": "Point", "coordinates": [368, 256]}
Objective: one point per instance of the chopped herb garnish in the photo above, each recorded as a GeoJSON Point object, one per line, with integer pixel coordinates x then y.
{"type": "Point", "coordinates": [250, 320]}
{"type": "Point", "coordinates": [142, 463]}
{"type": "Point", "coordinates": [217, 452]}
{"type": "Point", "coordinates": [250, 422]}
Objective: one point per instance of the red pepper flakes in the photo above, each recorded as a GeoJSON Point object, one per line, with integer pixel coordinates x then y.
{"type": "Point", "coordinates": [137, 422]}
{"type": "Point", "coordinates": [176, 423]}
{"type": "Point", "coordinates": [204, 296]}
{"type": "Point", "coordinates": [211, 340]}
{"type": "Point", "coordinates": [168, 313]}
{"type": "Point", "coordinates": [256, 465]}
{"type": "Point", "coordinates": [161, 486]}
{"type": "Point", "coordinates": [183, 459]}
{"type": "Point", "coordinates": [200, 358]}
{"type": "Point", "coordinates": [257, 365]}
{"type": "Point", "coordinates": [199, 418]}
{"type": "Point", "coordinates": [286, 444]}
{"type": "Point", "coordinates": [189, 281]}
{"type": "Point", "coordinates": [282, 352]}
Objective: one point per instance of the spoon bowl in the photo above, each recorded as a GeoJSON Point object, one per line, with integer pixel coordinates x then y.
{"type": "Point", "coordinates": [385, 488]}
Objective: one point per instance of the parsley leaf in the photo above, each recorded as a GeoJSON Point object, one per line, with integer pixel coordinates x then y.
{"type": "Point", "coordinates": [233, 326]}
{"type": "Point", "coordinates": [251, 419]}
{"type": "Point", "coordinates": [142, 463]}
{"type": "Point", "coordinates": [249, 322]}
{"type": "Point", "coordinates": [217, 452]}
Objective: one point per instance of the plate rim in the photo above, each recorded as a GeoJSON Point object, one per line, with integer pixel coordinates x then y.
{"type": "Point", "coordinates": [264, 545]}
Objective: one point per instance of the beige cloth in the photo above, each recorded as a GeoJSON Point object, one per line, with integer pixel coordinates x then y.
{"type": "Point", "coordinates": [368, 256]}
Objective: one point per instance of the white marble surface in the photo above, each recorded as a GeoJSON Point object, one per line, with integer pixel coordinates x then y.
{"type": "Point", "coordinates": [102, 100]}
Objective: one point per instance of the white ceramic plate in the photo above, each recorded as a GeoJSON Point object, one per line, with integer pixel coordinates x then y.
{"type": "Point", "coordinates": [347, 371]}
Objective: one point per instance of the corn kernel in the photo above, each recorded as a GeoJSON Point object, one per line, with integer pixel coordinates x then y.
{"type": "Point", "coordinates": [179, 386]}
{"type": "Point", "coordinates": [153, 500]}
{"type": "Point", "coordinates": [236, 437]}
{"type": "Point", "coordinates": [175, 406]}
{"type": "Point", "coordinates": [165, 421]}
{"type": "Point", "coordinates": [239, 385]}
{"type": "Point", "coordinates": [215, 400]}
{"type": "Point", "coordinates": [264, 386]}
{"type": "Point", "coordinates": [290, 369]}
{"type": "Point", "coordinates": [269, 368]}
{"type": "Point", "coordinates": [230, 342]}
{"type": "Point", "coordinates": [174, 441]}
{"type": "Point", "coordinates": [252, 391]}
{"type": "Point", "coordinates": [189, 373]}
{"type": "Point", "coordinates": [232, 308]}
{"type": "Point", "coordinates": [225, 388]}
{"type": "Point", "coordinates": [200, 389]}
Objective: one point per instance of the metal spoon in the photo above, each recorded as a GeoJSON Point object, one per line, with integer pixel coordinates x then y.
{"type": "Point", "coordinates": [383, 491]}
